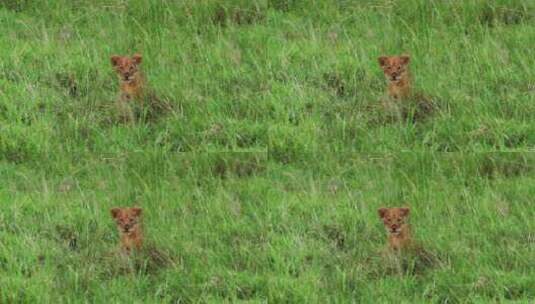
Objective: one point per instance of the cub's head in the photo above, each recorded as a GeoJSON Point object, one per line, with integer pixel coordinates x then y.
{"type": "Point", "coordinates": [127, 219]}
{"type": "Point", "coordinates": [126, 67]}
{"type": "Point", "coordinates": [393, 218]}
{"type": "Point", "coordinates": [394, 67]}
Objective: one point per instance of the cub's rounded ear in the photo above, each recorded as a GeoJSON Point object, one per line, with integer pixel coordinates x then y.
{"type": "Point", "coordinates": [382, 60]}
{"type": "Point", "coordinates": [405, 59]}
{"type": "Point", "coordinates": [137, 58]}
{"type": "Point", "coordinates": [115, 212]}
{"type": "Point", "coordinates": [136, 211]}
{"type": "Point", "coordinates": [382, 212]}
{"type": "Point", "coordinates": [115, 60]}
{"type": "Point", "coordinates": [404, 211]}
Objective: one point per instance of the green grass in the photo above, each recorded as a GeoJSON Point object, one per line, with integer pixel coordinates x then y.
{"type": "Point", "coordinates": [263, 183]}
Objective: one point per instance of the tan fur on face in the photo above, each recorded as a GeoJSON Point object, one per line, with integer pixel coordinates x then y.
{"type": "Point", "coordinates": [128, 221]}
{"type": "Point", "coordinates": [396, 70]}
{"type": "Point", "coordinates": [127, 68]}
{"type": "Point", "coordinates": [395, 222]}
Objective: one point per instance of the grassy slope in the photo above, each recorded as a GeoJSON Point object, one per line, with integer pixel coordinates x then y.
{"type": "Point", "coordinates": [274, 194]}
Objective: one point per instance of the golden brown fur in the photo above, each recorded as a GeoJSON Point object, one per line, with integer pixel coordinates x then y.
{"type": "Point", "coordinates": [396, 70]}
{"type": "Point", "coordinates": [132, 82]}
{"type": "Point", "coordinates": [395, 221]}
{"type": "Point", "coordinates": [128, 222]}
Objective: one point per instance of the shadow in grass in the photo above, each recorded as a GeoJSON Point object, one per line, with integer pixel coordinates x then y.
{"type": "Point", "coordinates": [69, 83]}
{"type": "Point", "coordinates": [15, 5]}
{"type": "Point", "coordinates": [281, 5]}
{"type": "Point", "coordinates": [224, 16]}
{"type": "Point", "coordinates": [414, 109]}
{"type": "Point", "coordinates": [248, 165]}
{"type": "Point", "coordinates": [67, 236]}
{"type": "Point", "coordinates": [507, 165]}
{"type": "Point", "coordinates": [75, 83]}
{"type": "Point", "coordinates": [17, 149]}
{"type": "Point", "coordinates": [336, 83]}
{"type": "Point", "coordinates": [344, 83]}
{"type": "Point", "coordinates": [415, 261]}
{"type": "Point", "coordinates": [509, 15]}
{"type": "Point", "coordinates": [335, 235]}
{"type": "Point", "coordinates": [148, 261]}
{"type": "Point", "coordinates": [156, 107]}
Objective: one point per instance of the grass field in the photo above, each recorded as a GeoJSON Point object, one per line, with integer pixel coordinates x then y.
{"type": "Point", "coordinates": [263, 182]}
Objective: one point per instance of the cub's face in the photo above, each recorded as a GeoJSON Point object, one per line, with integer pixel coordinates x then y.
{"type": "Point", "coordinates": [394, 67]}
{"type": "Point", "coordinates": [394, 218]}
{"type": "Point", "coordinates": [126, 67]}
{"type": "Point", "coordinates": [127, 219]}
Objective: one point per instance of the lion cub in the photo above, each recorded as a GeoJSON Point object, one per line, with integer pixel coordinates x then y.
{"type": "Point", "coordinates": [132, 82]}
{"type": "Point", "coordinates": [396, 70]}
{"type": "Point", "coordinates": [135, 96]}
{"type": "Point", "coordinates": [416, 106]}
{"type": "Point", "coordinates": [403, 253]}
{"type": "Point", "coordinates": [128, 222]}
{"type": "Point", "coordinates": [395, 221]}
